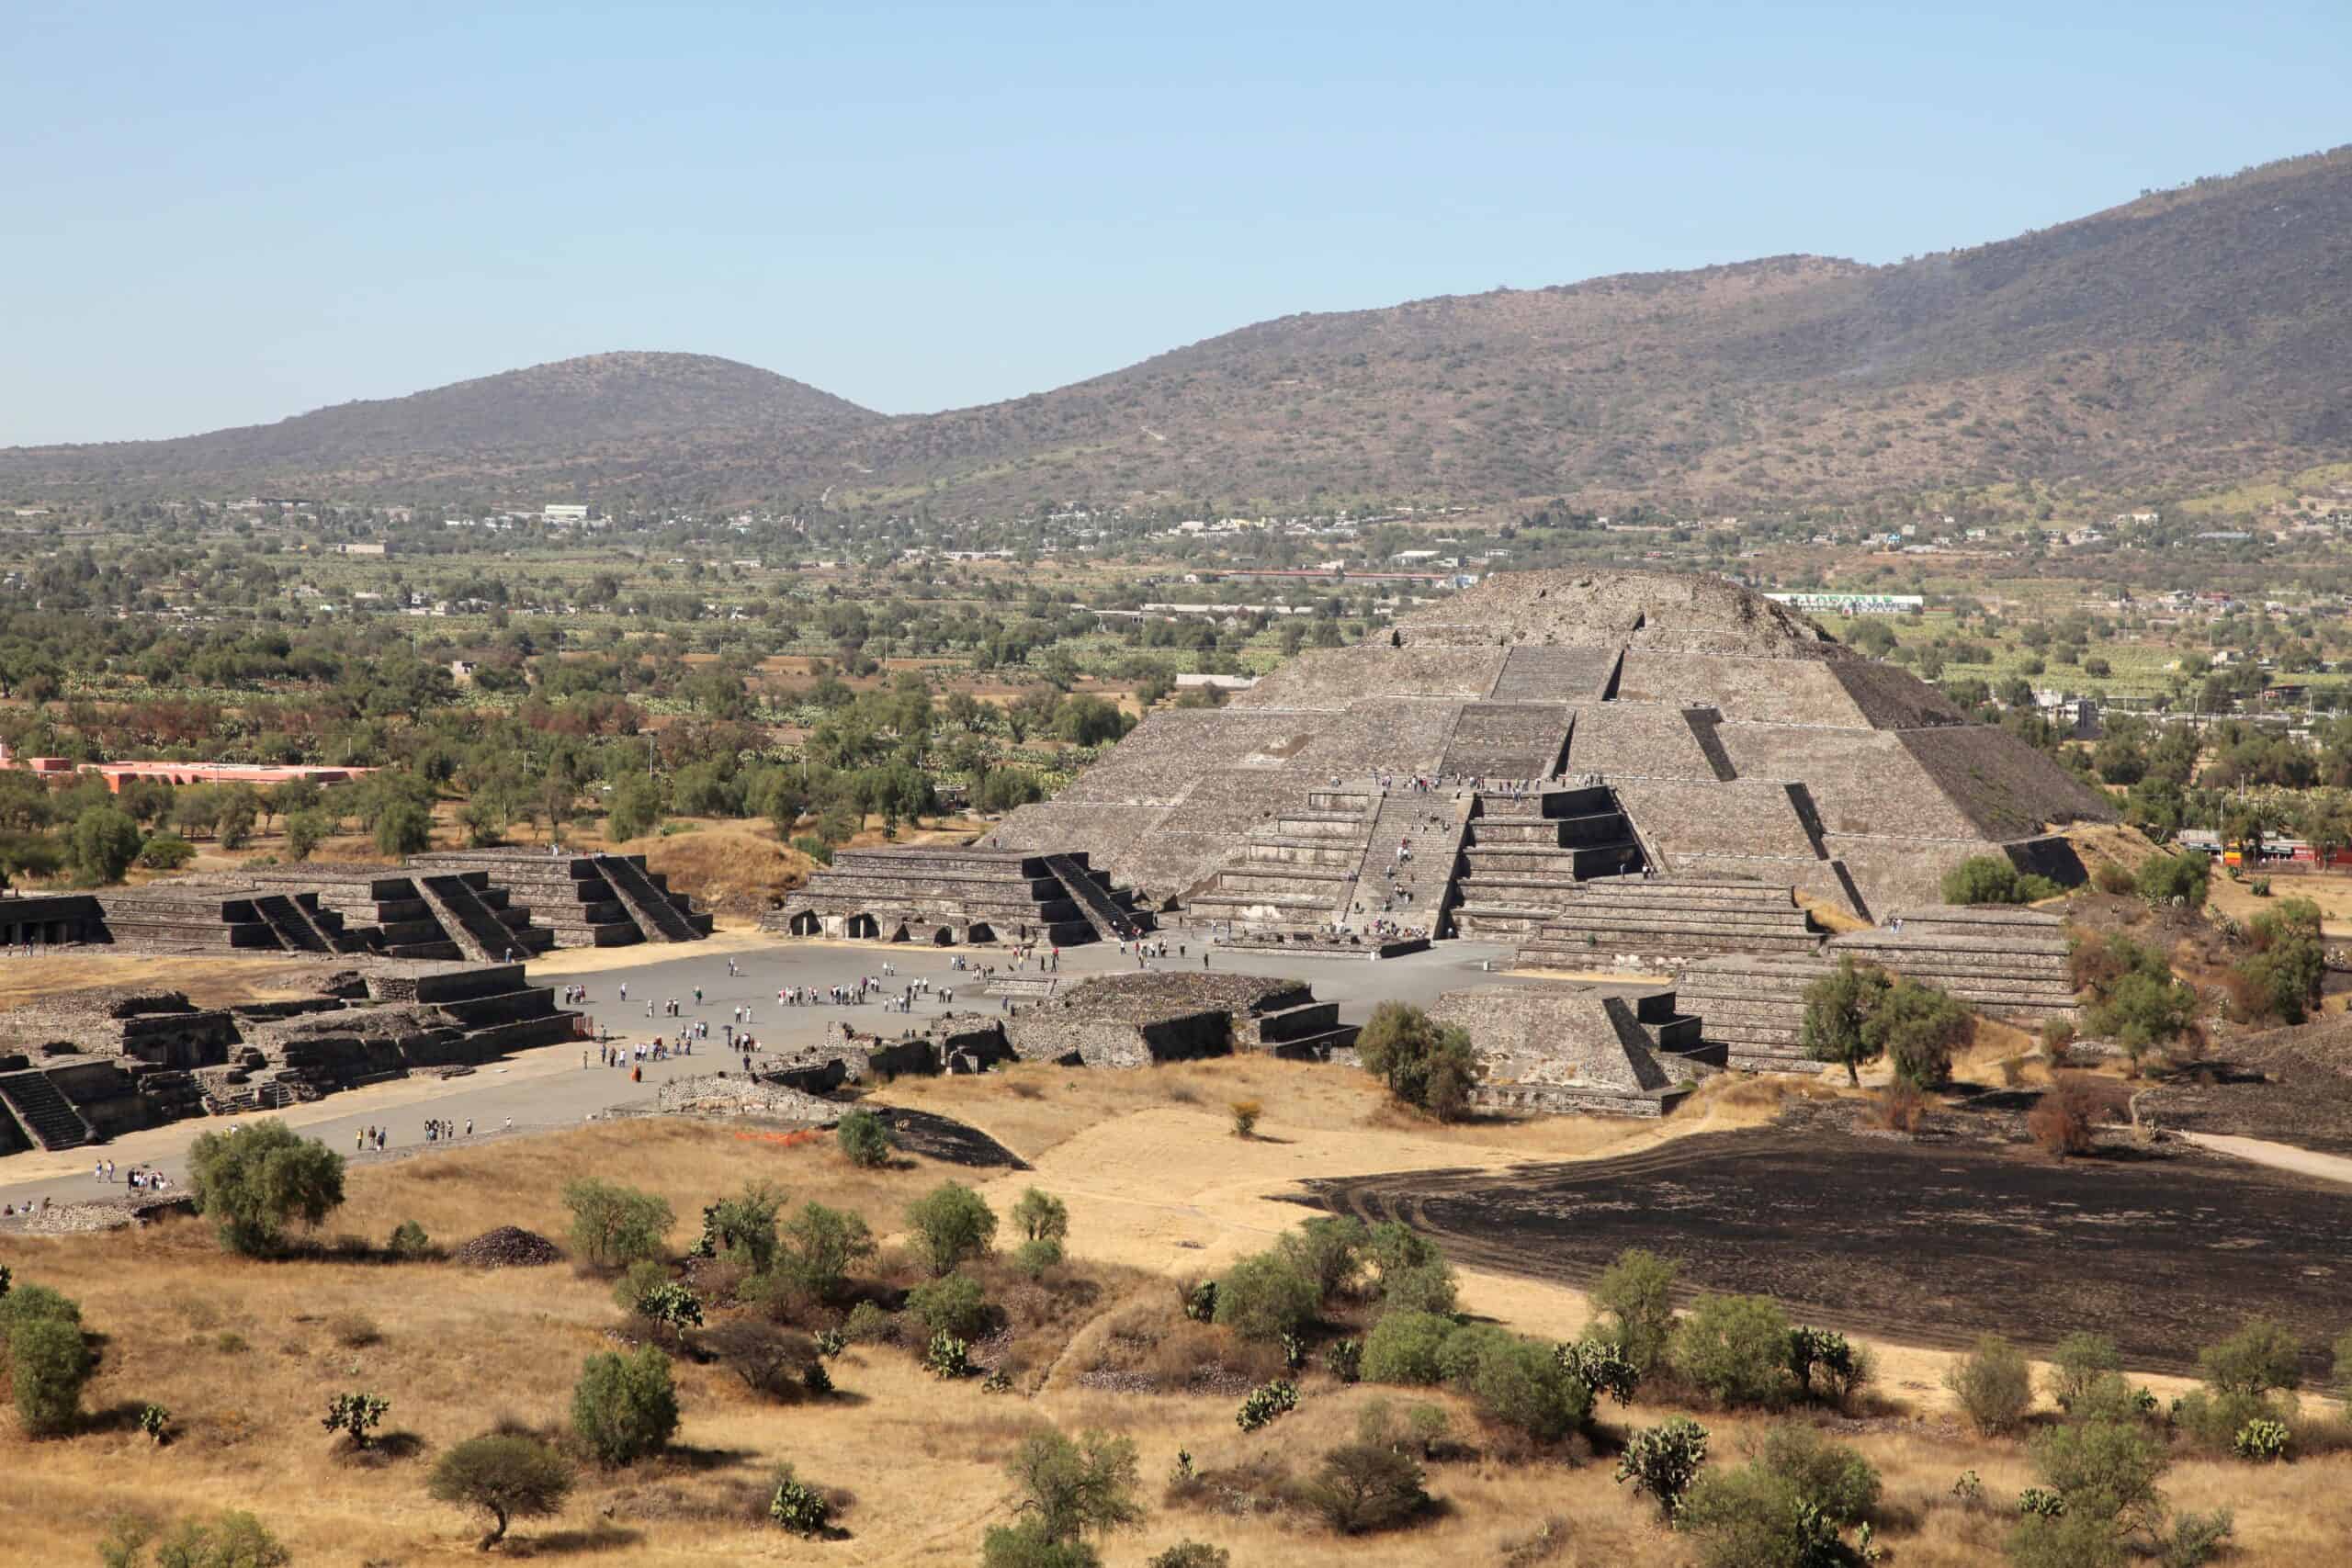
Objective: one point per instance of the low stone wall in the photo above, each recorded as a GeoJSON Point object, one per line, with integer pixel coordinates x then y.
{"type": "Point", "coordinates": [731, 1094]}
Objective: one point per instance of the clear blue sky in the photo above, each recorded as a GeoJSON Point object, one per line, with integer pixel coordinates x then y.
{"type": "Point", "coordinates": [218, 216]}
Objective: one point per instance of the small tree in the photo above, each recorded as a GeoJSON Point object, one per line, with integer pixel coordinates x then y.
{"type": "Point", "coordinates": [1040, 1216]}
{"type": "Point", "coordinates": [612, 1225]}
{"type": "Point", "coordinates": [1404, 1347]}
{"type": "Point", "coordinates": [2103, 1478]}
{"type": "Point", "coordinates": [1734, 1349]}
{"type": "Point", "coordinates": [403, 827]}
{"type": "Point", "coordinates": [1837, 1009]}
{"type": "Point", "coordinates": [1363, 1487]}
{"type": "Point", "coordinates": [508, 1477]}
{"type": "Point", "coordinates": [819, 1248]}
{"type": "Point", "coordinates": [1919, 1027]}
{"type": "Point", "coordinates": [2078, 1364]}
{"type": "Point", "coordinates": [634, 809]}
{"type": "Point", "coordinates": [1265, 1296]}
{"type": "Point", "coordinates": [1426, 1064]}
{"type": "Point", "coordinates": [863, 1138]}
{"type": "Point", "coordinates": [2260, 1357]}
{"type": "Point", "coordinates": [950, 1224]}
{"type": "Point", "coordinates": [1074, 1489]}
{"type": "Point", "coordinates": [955, 1304]}
{"type": "Point", "coordinates": [305, 831]}
{"type": "Point", "coordinates": [625, 1406]}
{"type": "Point", "coordinates": [1663, 1460]}
{"type": "Point", "coordinates": [1994, 1383]}
{"type": "Point", "coordinates": [1329, 1249]}
{"type": "Point", "coordinates": [102, 844]}
{"type": "Point", "coordinates": [49, 1364]}
{"type": "Point", "coordinates": [742, 1229]}
{"type": "Point", "coordinates": [1634, 1302]}
{"type": "Point", "coordinates": [253, 1181]}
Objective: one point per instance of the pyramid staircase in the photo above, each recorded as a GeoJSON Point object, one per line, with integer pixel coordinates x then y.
{"type": "Point", "coordinates": [43, 1111]}
{"type": "Point", "coordinates": [1297, 871]}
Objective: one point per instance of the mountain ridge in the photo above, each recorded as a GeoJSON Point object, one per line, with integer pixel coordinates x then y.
{"type": "Point", "coordinates": [2192, 335]}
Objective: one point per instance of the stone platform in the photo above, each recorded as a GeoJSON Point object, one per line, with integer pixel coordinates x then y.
{"type": "Point", "coordinates": [1613, 1049]}
{"type": "Point", "coordinates": [1135, 1020]}
{"type": "Point", "coordinates": [950, 894]}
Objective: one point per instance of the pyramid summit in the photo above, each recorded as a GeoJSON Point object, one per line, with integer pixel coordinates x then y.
{"type": "Point", "coordinates": [1485, 765]}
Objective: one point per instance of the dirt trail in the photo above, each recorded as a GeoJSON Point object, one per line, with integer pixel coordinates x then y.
{"type": "Point", "coordinates": [2280, 1157]}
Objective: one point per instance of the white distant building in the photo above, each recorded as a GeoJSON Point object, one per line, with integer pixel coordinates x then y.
{"type": "Point", "coordinates": [563, 513]}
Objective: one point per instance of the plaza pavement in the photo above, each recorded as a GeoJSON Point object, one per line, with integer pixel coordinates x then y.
{"type": "Point", "coordinates": [546, 1088]}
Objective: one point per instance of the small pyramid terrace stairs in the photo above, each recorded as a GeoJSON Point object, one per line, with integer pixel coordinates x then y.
{"type": "Point", "coordinates": [1335, 861]}
{"type": "Point", "coordinates": [2005, 964]}
{"type": "Point", "coordinates": [1556, 871]}
{"type": "Point", "coordinates": [947, 893]}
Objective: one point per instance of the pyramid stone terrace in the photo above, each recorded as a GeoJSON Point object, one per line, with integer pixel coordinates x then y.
{"type": "Point", "coordinates": [86, 1066]}
{"type": "Point", "coordinates": [1676, 724]}
{"type": "Point", "coordinates": [1613, 1049]}
{"type": "Point", "coordinates": [1135, 1020]}
{"type": "Point", "coordinates": [945, 894]}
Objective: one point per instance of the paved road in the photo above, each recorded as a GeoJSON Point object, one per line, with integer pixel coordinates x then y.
{"type": "Point", "coordinates": [548, 1087]}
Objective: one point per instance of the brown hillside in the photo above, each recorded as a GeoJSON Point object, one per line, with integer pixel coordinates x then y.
{"type": "Point", "coordinates": [2189, 337]}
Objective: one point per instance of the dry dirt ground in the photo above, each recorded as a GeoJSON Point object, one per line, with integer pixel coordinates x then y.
{"type": "Point", "coordinates": [245, 1354]}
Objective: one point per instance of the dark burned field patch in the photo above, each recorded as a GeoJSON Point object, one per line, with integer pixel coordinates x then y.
{"type": "Point", "coordinates": [1924, 1244]}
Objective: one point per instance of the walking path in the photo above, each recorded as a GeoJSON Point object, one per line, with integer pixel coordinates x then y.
{"type": "Point", "coordinates": [2280, 1157]}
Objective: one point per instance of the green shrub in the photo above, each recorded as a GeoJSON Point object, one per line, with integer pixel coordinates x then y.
{"type": "Point", "coordinates": [1192, 1554]}
{"type": "Point", "coordinates": [613, 1225]}
{"type": "Point", "coordinates": [1824, 1363]}
{"type": "Point", "coordinates": [1426, 1064]}
{"type": "Point", "coordinates": [1837, 1009]}
{"type": "Point", "coordinates": [1266, 1402]}
{"type": "Point", "coordinates": [863, 1137]}
{"type": "Point", "coordinates": [165, 852]}
{"type": "Point", "coordinates": [1991, 879]}
{"type": "Point", "coordinates": [1919, 1028]}
{"type": "Point", "coordinates": [1830, 1477]}
{"type": "Point", "coordinates": [637, 1282]}
{"type": "Point", "coordinates": [1033, 1258]}
{"type": "Point", "coordinates": [2103, 1471]}
{"type": "Point", "coordinates": [819, 1246]}
{"type": "Point", "coordinates": [409, 1241]}
{"type": "Point", "coordinates": [1734, 1349]}
{"type": "Point", "coordinates": [954, 1305]}
{"type": "Point", "coordinates": [1025, 1545]}
{"type": "Point", "coordinates": [2283, 980]}
{"type": "Point", "coordinates": [1403, 1347]}
{"type": "Point", "coordinates": [673, 1306]}
{"type": "Point", "coordinates": [155, 1422]}
{"type": "Point", "coordinates": [1265, 1296]}
{"type": "Point", "coordinates": [950, 1225]}
{"type": "Point", "coordinates": [2194, 1540]}
{"type": "Point", "coordinates": [49, 1364]}
{"type": "Point", "coordinates": [1040, 1216]}
{"type": "Point", "coordinates": [2211, 1421]}
{"type": "Point", "coordinates": [1331, 1251]}
{"type": "Point", "coordinates": [2081, 1359]}
{"type": "Point", "coordinates": [505, 1475]}
{"type": "Point", "coordinates": [1994, 1383]}
{"type": "Point", "coordinates": [2165, 878]}
{"type": "Point", "coordinates": [1520, 1384]}
{"type": "Point", "coordinates": [2260, 1357]}
{"type": "Point", "coordinates": [1343, 1359]}
{"type": "Point", "coordinates": [1633, 1300]}
{"type": "Point", "coordinates": [1662, 1460]}
{"type": "Point", "coordinates": [868, 1325]}
{"type": "Point", "coordinates": [624, 1407]}
{"type": "Point", "coordinates": [742, 1229]}
{"type": "Point", "coordinates": [254, 1180]}
{"type": "Point", "coordinates": [229, 1540]}
{"type": "Point", "coordinates": [1363, 1487]}
{"type": "Point", "coordinates": [797, 1507]}
{"type": "Point", "coordinates": [1428, 1287]}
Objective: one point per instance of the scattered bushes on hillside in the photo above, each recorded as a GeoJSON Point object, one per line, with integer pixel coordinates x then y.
{"type": "Point", "coordinates": [229, 1540]}
{"type": "Point", "coordinates": [1789, 1504]}
{"type": "Point", "coordinates": [863, 1138]}
{"type": "Point", "coordinates": [2166, 879]}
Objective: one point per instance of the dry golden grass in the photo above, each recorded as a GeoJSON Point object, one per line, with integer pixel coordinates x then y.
{"type": "Point", "coordinates": [244, 1354]}
{"type": "Point", "coordinates": [209, 982]}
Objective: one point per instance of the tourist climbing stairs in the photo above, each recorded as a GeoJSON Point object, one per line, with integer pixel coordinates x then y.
{"type": "Point", "coordinates": [651, 908]}
{"type": "Point", "coordinates": [1418, 883]}
{"type": "Point", "coordinates": [1111, 922]}
{"type": "Point", "coordinates": [291, 927]}
{"type": "Point", "coordinates": [43, 1111]}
